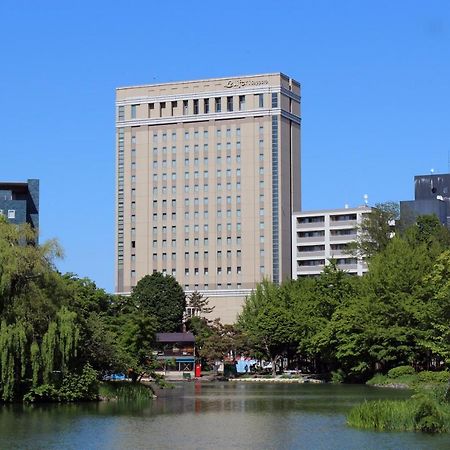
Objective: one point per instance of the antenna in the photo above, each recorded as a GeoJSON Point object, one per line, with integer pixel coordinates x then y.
{"type": "Point", "coordinates": [366, 199]}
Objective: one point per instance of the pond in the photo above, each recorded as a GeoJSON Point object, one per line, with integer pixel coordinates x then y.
{"type": "Point", "coordinates": [211, 415]}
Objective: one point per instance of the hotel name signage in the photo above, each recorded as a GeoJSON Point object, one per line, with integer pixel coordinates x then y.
{"type": "Point", "coordinates": [245, 83]}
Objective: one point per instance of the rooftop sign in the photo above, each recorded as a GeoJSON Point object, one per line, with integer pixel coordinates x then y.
{"type": "Point", "coordinates": [245, 83]}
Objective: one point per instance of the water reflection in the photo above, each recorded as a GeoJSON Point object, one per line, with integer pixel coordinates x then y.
{"type": "Point", "coordinates": [210, 415]}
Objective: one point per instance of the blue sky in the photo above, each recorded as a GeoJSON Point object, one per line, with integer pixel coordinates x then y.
{"type": "Point", "coordinates": [375, 95]}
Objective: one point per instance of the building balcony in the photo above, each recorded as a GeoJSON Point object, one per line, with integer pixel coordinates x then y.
{"type": "Point", "coordinates": [310, 269]}
{"type": "Point", "coordinates": [342, 238]}
{"type": "Point", "coordinates": [316, 254]}
{"type": "Point", "coordinates": [314, 239]}
{"type": "Point", "coordinates": [343, 224]}
{"type": "Point", "coordinates": [309, 226]}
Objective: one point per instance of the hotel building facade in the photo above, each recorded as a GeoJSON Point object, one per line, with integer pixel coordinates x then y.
{"type": "Point", "coordinates": [208, 175]}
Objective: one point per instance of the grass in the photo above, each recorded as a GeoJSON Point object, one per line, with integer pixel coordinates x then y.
{"type": "Point", "coordinates": [423, 414]}
{"type": "Point", "coordinates": [428, 410]}
{"type": "Point", "coordinates": [125, 391]}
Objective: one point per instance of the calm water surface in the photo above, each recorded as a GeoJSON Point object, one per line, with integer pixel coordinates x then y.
{"type": "Point", "coordinates": [210, 416]}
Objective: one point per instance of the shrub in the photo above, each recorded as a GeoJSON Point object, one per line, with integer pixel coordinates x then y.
{"type": "Point", "coordinates": [76, 387]}
{"type": "Point", "coordinates": [378, 379]}
{"type": "Point", "coordinates": [401, 371]}
{"type": "Point", "coordinates": [434, 377]}
{"type": "Point", "coordinates": [429, 417]}
{"type": "Point", "coordinates": [43, 393]}
{"type": "Point", "coordinates": [338, 376]}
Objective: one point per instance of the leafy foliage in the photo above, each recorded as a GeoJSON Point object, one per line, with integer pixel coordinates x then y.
{"type": "Point", "coordinates": [161, 297]}
{"type": "Point", "coordinates": [396, 315]}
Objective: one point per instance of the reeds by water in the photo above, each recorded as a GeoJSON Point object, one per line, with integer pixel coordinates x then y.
{"type": "Point", "coordinates": [416, 414]}
{"type": "Point", "coordinates": [125, 391]}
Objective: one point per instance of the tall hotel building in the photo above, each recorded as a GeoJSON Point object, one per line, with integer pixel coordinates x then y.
{"type": "Point", "coordinates": [208, 175]}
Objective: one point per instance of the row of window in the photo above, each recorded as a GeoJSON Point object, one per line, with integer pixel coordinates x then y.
{"type": "Point", "coordinates": [321, 262]}
{"type": "Point", "coordinates": [321, 219]}
{"type": "Point", "coordinates": [321, 248]}
{"type": "Point", "coordinates": [196, 174]}
{"type": "Point", "coordinates": [196, 134]}
{"type": "Point", "coordinates": [187, 150]}
{"type": "Point", "coordinates": [319, 233]}
{"type": "Point", "coordinates": [193, 106]}
{"type": "Point", "coordinates": [196, 241]}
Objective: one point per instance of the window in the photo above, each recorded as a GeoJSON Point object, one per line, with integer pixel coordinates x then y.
{"type": "Point", "coordinates": [133, 111]}
{"type": "Point", "coordinates": [229, 104]}
{"type": "Point", "coordinates": [121, 113]}
{"type": "Point", "coordinates": [186, 137]}
{"type": "Point", "coordinates": [274, 100]}
{"type": "Point", "coordinates": [206, 107]}
{"type": "Point", "coordinates": [218, 104]}
{"type": "Point", "coordinates": [241, 102]}
{"type": "Point", "coordinates": [259, 100]}
{"type": "Point", "coordinates": [195, 106]}
{"type": "Point", "coordinates": [185, 107]}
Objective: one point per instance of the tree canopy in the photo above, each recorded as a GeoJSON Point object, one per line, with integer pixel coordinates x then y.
{"type": "Point", "coordinates": [162, 297]}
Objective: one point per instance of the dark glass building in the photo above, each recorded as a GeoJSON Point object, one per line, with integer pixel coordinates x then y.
{"type": "Point", "coordinates": [19, 202]}
{"type": "Point", "coordinates": [431, 196]}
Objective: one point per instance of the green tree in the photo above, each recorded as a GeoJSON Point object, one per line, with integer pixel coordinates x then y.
{"type": "Point", "coordinates": [376, 230]}
{"type": "Point", "coordinates": [199, 304]}
{"type": "Point", "coordinates": [161, 297]}
{"type": "Point", "coordinates": [267, 322]}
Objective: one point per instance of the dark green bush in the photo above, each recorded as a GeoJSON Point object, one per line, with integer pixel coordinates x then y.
{"type": "Point", "coordinates": [74, 387]}
{"type": "Point", "coordinates": [338, 376]}
{"type": "Point", "coordinates": [78, 387]}
{"type": "Point", "coordinates": [434, 377]}
{"type": "Point", "coordinates": [429, 417]}
{"type": "Point", "coordinates": [43, 393]}
{"type": "Point", "coordinates": [401, 371]}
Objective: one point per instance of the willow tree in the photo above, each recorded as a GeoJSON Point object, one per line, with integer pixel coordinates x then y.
{"type": "Point", "coordinates": [23, 263]}
{"type": "Point", "coordinates": [23, 358]}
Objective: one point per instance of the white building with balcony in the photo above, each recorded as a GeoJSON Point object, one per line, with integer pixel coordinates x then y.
{"type": "Point", "coordinates": [319, 236]}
